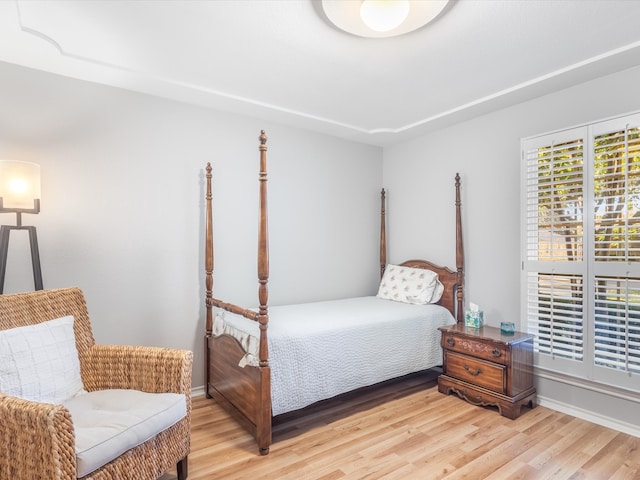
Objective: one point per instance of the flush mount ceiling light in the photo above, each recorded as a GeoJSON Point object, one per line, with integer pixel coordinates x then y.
{"type": "Point", "coordinates": [381, 18]}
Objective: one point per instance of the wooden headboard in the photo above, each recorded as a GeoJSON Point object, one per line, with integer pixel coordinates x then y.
{"type": "Point", "coordinates": [449, 279]}
{"type": "Point", "coordinates": [453, 281]}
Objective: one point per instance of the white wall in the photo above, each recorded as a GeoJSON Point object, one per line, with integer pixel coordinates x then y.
{"type": "Point", "coordinates": [486, 151]}
{"type": "Point", "coordinates": [123, 207]}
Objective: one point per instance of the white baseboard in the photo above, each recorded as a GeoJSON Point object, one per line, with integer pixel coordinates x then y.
{"type": "Point", "coordinates": [592, 417]}
{"type": "Point", "coordinates": [197, 391]}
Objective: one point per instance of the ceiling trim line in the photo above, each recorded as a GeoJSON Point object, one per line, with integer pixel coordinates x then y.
{"type": "Point", "coordinates": [509, 90]}
{"type": "Point", "coordinates": [373, 131]}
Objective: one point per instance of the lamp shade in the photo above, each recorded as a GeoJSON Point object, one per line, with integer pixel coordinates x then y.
{"type": "Point", "coordinates": [19, 184]}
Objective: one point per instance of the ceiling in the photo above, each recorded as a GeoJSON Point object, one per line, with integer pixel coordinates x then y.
{"type": "Point", "coordinates": [281, 60]}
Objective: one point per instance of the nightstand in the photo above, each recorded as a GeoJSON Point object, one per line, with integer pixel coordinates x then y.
{"type": "Point", "coordinates": [484, 367]}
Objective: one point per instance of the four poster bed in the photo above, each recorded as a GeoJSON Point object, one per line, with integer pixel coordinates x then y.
{"type": "Point", "coordinates": [318, 350]}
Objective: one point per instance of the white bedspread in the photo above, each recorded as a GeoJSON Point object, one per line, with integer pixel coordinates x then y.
{"type": "Point", "coordinates": [319, 350]}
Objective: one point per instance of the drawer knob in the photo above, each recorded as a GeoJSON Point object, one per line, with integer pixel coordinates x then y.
{"type": "Point", "coordinates": [496, 352]}
{"type": "Point", "coordinates": [475, 372]}
{"type": "Point", "coordinates": [450, 341]}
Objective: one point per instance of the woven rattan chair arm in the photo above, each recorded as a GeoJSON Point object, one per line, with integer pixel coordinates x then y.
{"type": "Point", "coordinates": [150, 369]}
{"type": "Point", "coordinates": [38, 440]}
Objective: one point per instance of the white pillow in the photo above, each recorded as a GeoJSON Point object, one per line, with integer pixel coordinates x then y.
{"type": "Point", "coordinates": [40, 362]}
{"type": "Point", "coordinates": [410, 285]}
{"type": "Point", "coordinates": [437, 291]}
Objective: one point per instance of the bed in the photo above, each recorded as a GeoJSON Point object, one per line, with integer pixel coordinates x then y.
{"type": "Point", "coordinates": [318, 350]}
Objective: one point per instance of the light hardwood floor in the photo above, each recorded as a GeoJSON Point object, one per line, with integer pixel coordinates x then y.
{"type": "Point", "coordinates": [405, 429]}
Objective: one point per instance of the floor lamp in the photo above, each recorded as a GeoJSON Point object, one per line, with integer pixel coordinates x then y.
{"type": "Point", "coordinates": [19, 193]}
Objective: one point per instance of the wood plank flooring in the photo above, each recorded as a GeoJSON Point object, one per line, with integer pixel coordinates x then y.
{"type": "Point", "coordinates": [405, 429]}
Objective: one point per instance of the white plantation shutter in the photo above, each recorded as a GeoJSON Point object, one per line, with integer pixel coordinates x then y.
{"type": "Point", "coordinates": [615, 277]}
{"type": "Point", "coordinates": [554, 247]}
{"type": "Point", "coordinates": [616, 209]}
{"type": "Point", "coordinates": [554, 310]}
{"type": "Point", "coordinates": [554, 186]}
{"type": "Point", "coordinates": [617, 324]}
{"type": "Point", "coordinates": [581, 250]}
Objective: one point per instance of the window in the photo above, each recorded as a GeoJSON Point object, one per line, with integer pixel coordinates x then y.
{"type": "Point", "coordinates": [581, 250]}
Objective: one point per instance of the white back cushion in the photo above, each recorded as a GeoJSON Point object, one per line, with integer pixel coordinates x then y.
{"type": "Point", "coordinates": [40, 362]}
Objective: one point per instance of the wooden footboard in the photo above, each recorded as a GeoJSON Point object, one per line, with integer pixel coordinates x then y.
{"type": "Point", "coordinates": [245, 392]}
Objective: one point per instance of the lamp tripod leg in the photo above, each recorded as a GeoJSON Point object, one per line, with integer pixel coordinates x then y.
{"type": "Point", "coordinates": [35, 254]}
{"type": "Point", "coordinates": [4, 249]}
{"type": "Point", "coordinates": [35, 258]}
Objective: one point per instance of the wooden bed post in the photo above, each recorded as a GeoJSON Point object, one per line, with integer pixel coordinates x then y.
{"type": "Point", "coordinates": [263, 422]}
{"type": "Point", "coordinates": [383, 233]}
{"type": "Point", "coordinates": [208, 265]}
{"type": "Point", "coordinates": [263, 254]}
{"type": "Point", "coordinates": [459, 255]}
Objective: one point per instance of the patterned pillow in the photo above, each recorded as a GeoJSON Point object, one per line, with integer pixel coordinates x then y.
{"type": "Point", "coordinates": [40, 362]}
{"type": "Point", "coordinates": [410, 285]}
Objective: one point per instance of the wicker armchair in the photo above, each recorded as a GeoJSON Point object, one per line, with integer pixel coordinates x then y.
{"type": "Point", "coordinates": [39, 438]}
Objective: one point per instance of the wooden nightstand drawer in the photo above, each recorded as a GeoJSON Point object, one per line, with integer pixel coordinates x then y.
{"type": "Point", "coordinates": [477, 347]}
{"type": "Point", "coordinates": [476, 371]}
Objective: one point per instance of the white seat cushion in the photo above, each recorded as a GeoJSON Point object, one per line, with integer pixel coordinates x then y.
{"type": "Point", "coordinates": [107, 423]}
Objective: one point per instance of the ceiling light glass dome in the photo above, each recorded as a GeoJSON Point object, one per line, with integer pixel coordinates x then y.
{"type": "Point", "coordinates": [381, 18]}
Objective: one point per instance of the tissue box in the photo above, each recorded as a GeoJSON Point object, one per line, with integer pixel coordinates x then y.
{"type": "Point", "coordinates": [474, 319]}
